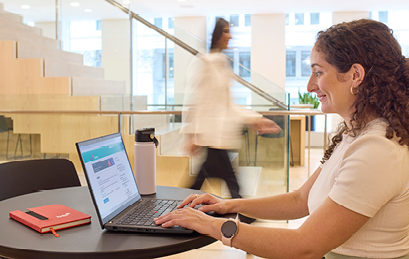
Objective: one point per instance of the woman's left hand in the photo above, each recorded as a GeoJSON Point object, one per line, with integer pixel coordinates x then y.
{"type": "Point", "coordinates": [191, 219]}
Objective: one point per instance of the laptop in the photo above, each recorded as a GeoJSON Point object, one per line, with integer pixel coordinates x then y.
{"type": "Point", "coordinates": [114, 191]}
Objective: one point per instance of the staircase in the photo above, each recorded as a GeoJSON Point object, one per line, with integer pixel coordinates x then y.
{"type": "Point", "coordinates": [36, 75]}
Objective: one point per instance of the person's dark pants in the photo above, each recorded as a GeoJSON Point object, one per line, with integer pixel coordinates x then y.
{"type": "Point", "coordinates": [218, 165]}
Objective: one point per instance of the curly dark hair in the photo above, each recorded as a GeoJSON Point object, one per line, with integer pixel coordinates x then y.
{"type": "Point", "coordinates": [384, 92]}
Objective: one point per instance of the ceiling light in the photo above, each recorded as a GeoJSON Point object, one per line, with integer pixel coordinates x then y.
{"type": "Point", "coordinates": [75, 4]}
{"type": "Point", "coordinates": [87, 10]}
{"type": "Point", "coordinates": [186, 6]}
{"type": "Point", "coordinates": [24, 6]}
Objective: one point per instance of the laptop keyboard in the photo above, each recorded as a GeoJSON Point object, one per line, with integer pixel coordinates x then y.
{"type": "Point", "coordinates": [147, 211]}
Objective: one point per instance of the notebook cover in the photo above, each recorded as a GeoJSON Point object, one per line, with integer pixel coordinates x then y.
{"type": "Point", "coordinates": [59, 217]}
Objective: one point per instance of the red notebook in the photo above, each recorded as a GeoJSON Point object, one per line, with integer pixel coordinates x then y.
{"type": "Point", "coordinates": [54, 216]}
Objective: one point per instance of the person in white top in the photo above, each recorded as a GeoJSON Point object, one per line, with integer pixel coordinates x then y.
{"type": "Point", "coordinates": [211, 120]}
{"type": "Point", "coordinates": [358, 199]}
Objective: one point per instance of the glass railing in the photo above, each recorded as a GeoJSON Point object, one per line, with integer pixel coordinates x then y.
{"type": "Point", "coordinates": [106, 86]}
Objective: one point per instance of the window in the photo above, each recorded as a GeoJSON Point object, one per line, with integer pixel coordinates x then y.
{"type": "Point", "coordinates": [290, 64]}
{"type": "Point", "coordinates": [305, 63]}
{"type": "Point", "coordinates": [234, 20]}
{"type": "Point", "coordinates": [170, 23]}
{"type": "Point", "coordinates": [158, 22]}
{"type": "Point", "coordinates": [231, 57]}
{"type": "Point", "coordinates": [247, 20]}
{"type": "Point", "coordinates": [98, 25]}
{"type": "Point", "coordinates": [315, 18]}
{"type": "Point", "coordinates": [287, 19]}
{"type": "Point", "coordinates": [383, 17]}
{"type": "Point", "coordinates": [299, 19]}
{"type": "Point", "coordinates": [217, 18]}
{"type": "Point", "coordinates": [244, 59]}
{"type": "Point", "coordinates": [170, 65]}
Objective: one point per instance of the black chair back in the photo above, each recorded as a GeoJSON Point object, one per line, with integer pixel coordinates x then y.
{"type": "Point", "coordinates": [23, 177]}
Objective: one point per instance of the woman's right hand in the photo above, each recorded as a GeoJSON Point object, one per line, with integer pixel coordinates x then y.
{"type": "Point", "coordinates": [209, 202]}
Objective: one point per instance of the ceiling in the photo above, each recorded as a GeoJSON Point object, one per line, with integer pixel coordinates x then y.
{"type": "Point", "coordinates": [44, 10]}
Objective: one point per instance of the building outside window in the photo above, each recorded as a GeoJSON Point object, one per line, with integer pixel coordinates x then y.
{"type": "Point", "coordinates": [244, 59]}
{"type": "Point", "coordinates": [170, 23]}
{"type": "Point", "coordinates": [314, 18]}
{"type": "Point", "coordinates": [234, 20]}
{"type": "Point", "coordinates": [247, 20]}
{"type": "Point", "coordinates": [290, 64]}
{"type": "Point", "coordinates": [299, 19]}
{"type": "Point", "coordinates": [158, 22]}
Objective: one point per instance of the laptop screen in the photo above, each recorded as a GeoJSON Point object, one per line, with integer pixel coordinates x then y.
{"type": "Point", "coordinates": [109, 175]}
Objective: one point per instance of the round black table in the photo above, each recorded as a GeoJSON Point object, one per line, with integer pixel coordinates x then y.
{"type": "Point", "coordinates": [88, 241]}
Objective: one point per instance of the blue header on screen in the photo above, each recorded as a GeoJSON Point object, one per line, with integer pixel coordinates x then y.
{"type": "Point", "coordinates": [101, 152]}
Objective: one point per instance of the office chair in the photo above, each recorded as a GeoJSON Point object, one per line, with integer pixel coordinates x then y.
{"type": "Point", "coordinates": [6, 125]}
{"type": "Point", "coordinates": [23, 177]}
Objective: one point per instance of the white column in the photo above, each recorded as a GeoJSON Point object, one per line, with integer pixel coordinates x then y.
{"type": "Point", "coordinates": [192, 31]}
{"type": "Point", "coordinates": [338, 17]}
{"type": "Point", "coordinates": [115, 50]}
{"type": "Point", "coordinates": [268, 54]}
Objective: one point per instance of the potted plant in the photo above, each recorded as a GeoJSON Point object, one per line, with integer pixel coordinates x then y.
{"type": "Point", "coordinates": [309, 98]}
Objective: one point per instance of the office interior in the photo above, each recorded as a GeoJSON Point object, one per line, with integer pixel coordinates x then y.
{"type": "Point", "coordinates": [75, 70]}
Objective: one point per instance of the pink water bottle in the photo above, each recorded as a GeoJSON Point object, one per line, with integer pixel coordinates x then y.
{"type": "Point", "coordinates": [145, 160]}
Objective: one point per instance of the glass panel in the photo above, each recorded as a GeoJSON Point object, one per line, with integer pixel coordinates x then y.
{"type": "Point", "coordinates": [315, 18]}
{"type": "Point", "coordinates": [109, 89]}
{"type": "Point", "coordinates": [383, 17]}
{"type": "Point", "coordinates": [299, 19]}
{"type": "Point", "coordinates": [170, 23]}
{"type": "Point", "coordinates": [290, 64]}
{"type": "Point", "coordinates": [158, 22]}
{"type": "Point", "coordinates": [305, 63]}
{"type": "Point", "coordinates": [247, 20]}
{"type": "Point", "coordinates": [234, 20]}
{"type": "Point", "coordinates": [245, 63]}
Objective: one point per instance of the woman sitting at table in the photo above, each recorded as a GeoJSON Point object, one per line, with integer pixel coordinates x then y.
{"type": "Point", "coordinates": [358, 199]}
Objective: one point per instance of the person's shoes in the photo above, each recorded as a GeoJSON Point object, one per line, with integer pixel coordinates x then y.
{"type": "Point", "coordinates": [246, 219]}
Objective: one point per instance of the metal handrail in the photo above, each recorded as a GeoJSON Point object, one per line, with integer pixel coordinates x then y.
{"type": "Point", "coordinates": [195, 52]}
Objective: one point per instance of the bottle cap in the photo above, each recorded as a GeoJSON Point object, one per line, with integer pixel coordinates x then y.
{"type": "Point", "coordinates": [146, 135]}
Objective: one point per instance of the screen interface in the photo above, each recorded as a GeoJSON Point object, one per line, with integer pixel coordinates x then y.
{"type": "Point", "coordinates": [109, 175]}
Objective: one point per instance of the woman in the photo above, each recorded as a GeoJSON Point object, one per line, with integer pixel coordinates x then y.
{"type": "Point", "coordinates": [211, 119]}
{"type": "Point", "coordinates": [358, 199]}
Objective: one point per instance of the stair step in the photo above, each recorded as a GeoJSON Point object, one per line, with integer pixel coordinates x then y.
{"type": "Point", "coordinates": [11, 16]}
{"type": "Point", "coordinates": [53, 68]}
{"type": "Point", "coordinates": [82, 86]}
{"type": "Point", "coordinates": [6, 22]}
{"type": "Point", "coordinates": [27, 49]}
{"type": "Point", "coordinates": [16, 35]}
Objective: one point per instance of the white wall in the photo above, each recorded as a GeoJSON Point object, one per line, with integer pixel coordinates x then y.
{"type": "Point", "coordinates": [338, 17]}
{"type": "Point", "coordinates": [268, 53]}
{"type": "Point", "coordinates": [192, 31]}
{"type": "Point", "coordinates": [115, 50]}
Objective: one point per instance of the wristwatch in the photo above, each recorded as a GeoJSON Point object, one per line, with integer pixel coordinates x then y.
{"type": "Point", "coordinates": [229, 229]}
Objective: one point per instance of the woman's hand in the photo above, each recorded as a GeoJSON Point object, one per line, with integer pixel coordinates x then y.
{"type": "Point", "coordinates": [263, 125]}
{"type": "Point", "coordinates": [209, 202]}
{"type": "Point", "coordinates": [192, 219]}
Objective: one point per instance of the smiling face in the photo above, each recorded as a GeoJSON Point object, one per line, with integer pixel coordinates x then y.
{"type": "Point", "coordinates": [223, 41]}
{"type": "Point", "coordinates": [333, 89]}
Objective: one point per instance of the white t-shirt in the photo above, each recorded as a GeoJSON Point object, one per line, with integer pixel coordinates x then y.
{"type": "Point", "coordinates": [369, 174]}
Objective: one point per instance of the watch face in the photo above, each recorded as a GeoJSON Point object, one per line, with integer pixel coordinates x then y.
{"type": "Point", "coordinates": [229, 228]}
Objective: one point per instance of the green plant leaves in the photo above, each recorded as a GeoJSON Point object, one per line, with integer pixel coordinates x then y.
{"type": "Point", "coordinates": [308, 98]}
